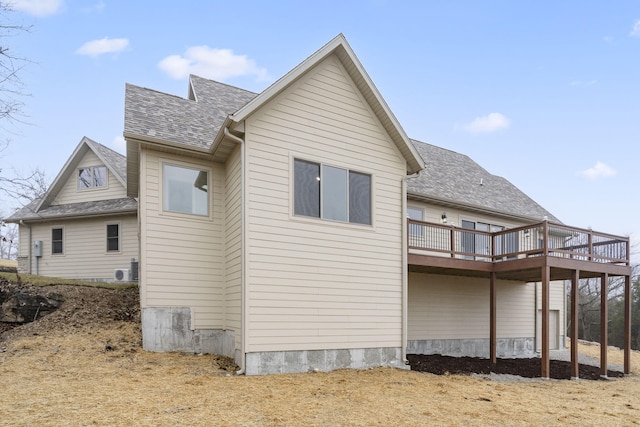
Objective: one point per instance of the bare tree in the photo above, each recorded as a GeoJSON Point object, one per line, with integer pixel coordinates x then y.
{"type": "Point", "coordinates": [589, 292]}
{"type": "Point", "coordinates": [24, 188]}
{"type": "Point", "coordinates": [21, 187]}
{"type": "Point", "coordinates": [11, 86]}
{"type": "Point", "coordinates": [8, 241]}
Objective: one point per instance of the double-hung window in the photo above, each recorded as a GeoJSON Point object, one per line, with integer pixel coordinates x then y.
{"type": "Point", "coordinates": [185, 190]}
{"type": "Point", "coordinates": [92, 177]}
{"type": "Point", "coordinates": [113, 237]}
{"type": "Point", "coordinates": [333, 193]}
{"type": "Point", "coordinates": [57, 241]}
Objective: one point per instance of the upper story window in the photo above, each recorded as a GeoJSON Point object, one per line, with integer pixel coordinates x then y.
{"type": "Point", "coordinates": [329, 192]}
{"type": "Point", "coordinates": [92, 177]}
{"type": "Point", "coordinates": [57, 241]}
{"type": "Point", "coordinates": [185, 190]}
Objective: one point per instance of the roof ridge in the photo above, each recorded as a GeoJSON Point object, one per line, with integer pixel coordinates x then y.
{"type": "Point", "coordinates": [224, 84]}
{"type": "Point", "coordinates": [159, 92]}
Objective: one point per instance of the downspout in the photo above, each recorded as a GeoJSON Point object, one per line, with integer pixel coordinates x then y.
{"type": "Point", "coordinates": [243, 257]}
{"type": "Point", "coordinates": [405, 268]}
{"type": "Point", "coordinates": [29, 245]}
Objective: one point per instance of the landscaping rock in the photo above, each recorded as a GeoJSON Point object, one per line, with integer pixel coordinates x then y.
{"type": "Point", "coordinates": [19, 306]}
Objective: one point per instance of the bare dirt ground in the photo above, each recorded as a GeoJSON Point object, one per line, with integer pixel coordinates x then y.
{"type": "Point", "coordinates": [527, 368]}
{"type": "Point", "coordinates": [83, 365]}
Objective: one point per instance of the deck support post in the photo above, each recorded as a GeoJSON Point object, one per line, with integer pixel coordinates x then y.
{"type": "Point", "coordinates": [627, 325]}
{"type": "Point", "coordinates": [546, 273]}
{"type": "Point", "coordinates": [604, 323]}
{"type": "Point", "coordinates": [493, 339]}
{"type": "Point", "coordinates": [575, 300]}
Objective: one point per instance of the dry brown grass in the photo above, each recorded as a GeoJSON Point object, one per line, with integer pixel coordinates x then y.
{"type": "Point", "coordinates": [69, 378]}
{"type": "Point", "coordinates": [8, 263]}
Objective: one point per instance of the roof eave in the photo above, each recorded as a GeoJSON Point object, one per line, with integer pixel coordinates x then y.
{"type": "Point", "coordinates": [104, 161]}
{"type": "Point", "coordinates": [133, 154]}
{"type": "Point", "coordinates": [475, 208]}
{"type": "Point", "coordinates": [339, 46]}
{"type": "Point", "coordinates": [116, 212]}
{"type": "Point", "coordinates": [63, 175]}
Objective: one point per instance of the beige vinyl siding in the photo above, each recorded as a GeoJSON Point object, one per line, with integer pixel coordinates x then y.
{"type": "Point", "coordinates": [557, 302]}
{"type": "Point", "coordinates": [85, 247]}
{"type": "Point", "coordinates": [312, 283]}
{"type": "Point", "coordinates": [433, 213]}
{"type": "Point", "coordinates": [513, 295]}
{"type": "Point", "coordinates": [448, 307]}
{"type": "Point", "coordinates": [71, 194]}
{"type": "Point", "coordinates": [233, 244]}
{"type": "Point", "coordinates": [183, 260]}
{"type": "Point", "coordinates": [23, 240]}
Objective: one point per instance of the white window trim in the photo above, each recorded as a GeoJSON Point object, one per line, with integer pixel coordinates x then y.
{"type": "Point", "coordinates": [93, 187]}
{"type": "Point", "coordinates": [106, 228]}
{"type": "Point", "coordinates": [194, 166]}
{"type": "Point", "coordinates": [64, 241]}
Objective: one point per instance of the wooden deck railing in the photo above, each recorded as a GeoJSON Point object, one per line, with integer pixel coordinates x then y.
{"type": "Point", "coordinates": [541, 239]}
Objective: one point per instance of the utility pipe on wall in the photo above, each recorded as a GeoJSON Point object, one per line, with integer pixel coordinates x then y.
{"type": "Point", "coordinates": [243, 275]}
{"type": "Point", "coordinates": [405, 267]}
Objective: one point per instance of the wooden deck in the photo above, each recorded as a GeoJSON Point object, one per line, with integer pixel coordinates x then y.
{"type": "Point", "coordinates": [541, 252]}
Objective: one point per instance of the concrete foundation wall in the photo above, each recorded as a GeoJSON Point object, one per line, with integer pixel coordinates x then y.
{"type": "Point", "coordinates": [280, 362]}
{"type": "Point", "coordinates": [169, 329]}
{"type": "Point", "coordinates": [508, 348]}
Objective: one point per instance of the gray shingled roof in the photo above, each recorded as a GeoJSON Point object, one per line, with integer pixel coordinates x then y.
{"type": "Point", "coordinates": [101, 207]}
{"type": "Point", "coordinates": [115, 160]}
{"type": "Point", "coordinates": [194, 122]}
{"type": "Point", "coordinates": [454, 177]}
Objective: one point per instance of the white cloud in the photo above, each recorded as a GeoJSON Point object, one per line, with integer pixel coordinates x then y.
{"type": "Point", "coordinates": [37, 7]}
{"type": "Point", "coordinates": [635, 31]}
{"type": "Point", "coordinates": [119, 144]}
{"type": "Point", "coordinates": [599, 170]}
{"type": "Point", "coordinates": [583, 83]}
{"type": "Point", "coordinates": [608, 39]}
{"type": "Point", "coordinates": [217, 64]}
{"type": "Point", "coordinates": [488, 123]}
{"type": "Point", "coordinates": [96, 48]}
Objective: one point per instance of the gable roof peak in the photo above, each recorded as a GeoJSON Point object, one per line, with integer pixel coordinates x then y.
{"type": "Point", "coordinates": [340, 47]}
{"type": "Point", "coordinates": [113, 160]}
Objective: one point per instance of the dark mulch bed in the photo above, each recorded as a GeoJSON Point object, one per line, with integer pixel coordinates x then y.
{"type": "Point", "coordinates": [528, 368]}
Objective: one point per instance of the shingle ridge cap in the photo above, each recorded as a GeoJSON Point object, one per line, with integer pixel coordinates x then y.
{"type": "Point", "coordinates": [160, 92]}
{"type": "Point", "coordinates": [224, 84]}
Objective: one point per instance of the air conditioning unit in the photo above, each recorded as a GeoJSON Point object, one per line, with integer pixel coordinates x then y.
{"type": "Point", "coordinates": [122, 275]}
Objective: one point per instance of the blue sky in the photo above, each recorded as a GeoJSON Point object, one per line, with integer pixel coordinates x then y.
{"type": "Point", "coordinates": [544, 93]}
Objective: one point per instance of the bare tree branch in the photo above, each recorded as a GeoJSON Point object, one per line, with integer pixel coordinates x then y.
{"type": "Point", "coordinates": [11, 64]}
{"type": "Point", "coordinates": [24, 188]}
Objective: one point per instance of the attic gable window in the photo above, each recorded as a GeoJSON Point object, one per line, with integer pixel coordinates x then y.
{"type": "Point", "coordinates": [328, 192]}
{"type": "Point", "coordinates": [185, 190]}
{"type": "Point", "coordinates": [92, 177]}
